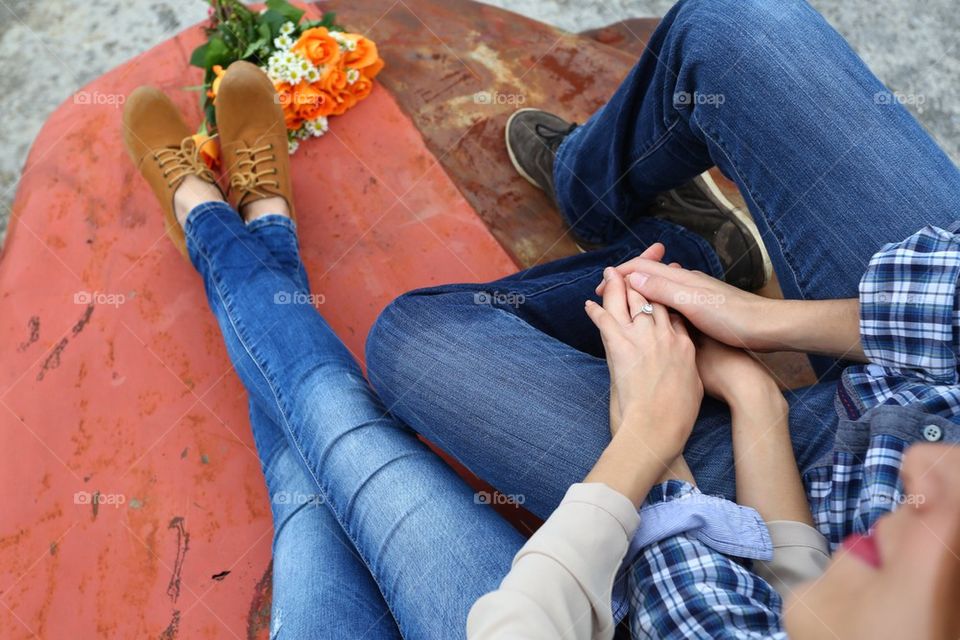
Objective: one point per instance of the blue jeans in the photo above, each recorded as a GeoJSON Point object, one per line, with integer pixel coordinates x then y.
{"type": "Point", "coordinates": [508, 376]}
{"type": "Point", "coordinates": [374, 535]}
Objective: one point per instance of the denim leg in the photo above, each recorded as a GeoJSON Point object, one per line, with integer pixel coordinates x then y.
{"type": "Point", "coordinates": [432, 549]}
{"type": "Point", "coordinates": [509, 378]}
{"type": "Point", "coordinates": [831, 165]}
{"type": "Point", "coordinates": [321, 587]}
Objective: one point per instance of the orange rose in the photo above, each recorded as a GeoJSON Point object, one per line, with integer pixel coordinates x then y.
{"type": "Point", "coordinates": [364, 52]}
{"type": "Point", "coordinates": [286, 99]}
{"type": "Point", "coordinates": [207, 149]}
{"type": "Point", "coordinates": [311, 102]}
{"type": "Point", "coordinates": [344, 102]}
{"type": "Point", "coordinates": [333, 80]}
{"type": "Point", "coordinates": [372, 71]}
{"type": "Point", "coordinates": [361, 88]}
{"type": "Point", "coordinates": [215, 85]}
{"type": "Point", "coordinates": [317, 46]}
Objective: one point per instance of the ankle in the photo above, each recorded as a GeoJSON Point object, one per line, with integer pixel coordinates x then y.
{"type": "Point", "coordinates": [265, 206]}
{"type": "Point", "coordinates": [193, 192]}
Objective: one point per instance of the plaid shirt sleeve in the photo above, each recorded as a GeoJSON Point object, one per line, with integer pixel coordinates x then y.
{"type": "Point", "coordinates": [681, 588]}
{"type": "Point", "coordinates": [909, 322]}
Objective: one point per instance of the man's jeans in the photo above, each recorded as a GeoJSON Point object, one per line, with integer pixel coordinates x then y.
{"type": "Point", "coordinates": [509, 376]}
{"type": "Point", "coordinates": [374, 535]}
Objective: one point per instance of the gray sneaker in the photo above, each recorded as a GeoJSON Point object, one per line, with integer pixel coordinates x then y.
{"type": "Point", "coordinates": [533, 137]}
{"type": "Point", "coordinates": [701, 207]}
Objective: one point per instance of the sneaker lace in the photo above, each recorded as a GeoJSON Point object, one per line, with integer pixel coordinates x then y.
{"type": "Point", "coordinates": [249, 176]}
{"type": "Point", "coordinates": [552, 137]}
{"type": "Point", "coordinates": [182, 161]}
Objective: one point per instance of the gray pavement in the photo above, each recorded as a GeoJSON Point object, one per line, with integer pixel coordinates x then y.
{"type": "Point", "coordinates": [50, 48]}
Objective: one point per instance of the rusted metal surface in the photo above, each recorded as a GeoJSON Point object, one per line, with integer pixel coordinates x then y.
{"type": "Point", "coordinates": [459, 68]}
{"type": "Point", "coordinates": [630, 36]}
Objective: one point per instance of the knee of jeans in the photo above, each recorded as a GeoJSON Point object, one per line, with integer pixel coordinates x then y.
{"type": "Point", "coordinates": [729, 30]}
{"type": "Point", "coordinates": [400, 340]}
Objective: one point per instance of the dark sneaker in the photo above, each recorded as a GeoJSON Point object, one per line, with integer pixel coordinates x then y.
{"type": "Point", "coordinates": [533, 137]}
{"type": "Point", "coordinates": [701, 207]}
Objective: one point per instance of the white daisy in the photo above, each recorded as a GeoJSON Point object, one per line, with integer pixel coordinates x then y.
{"type": "Point", "coordinates": [317, 127]}
{"type": "Point", "coordinates": [303, 65]}
{"type": "Point", "coordinates": [283, 42]}
{"type": "Point", "coordinates": [294, 75]}
{"type": "Point", "coordinates": [293, 146]}
{"type": "Point", "coordinates": [313, 75]}
{"type": "Point", "coordinates": [287, 28]}
{"type": "Point", "coordinates": [352, 76]}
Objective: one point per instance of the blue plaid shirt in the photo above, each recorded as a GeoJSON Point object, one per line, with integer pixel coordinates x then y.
{"type": "Point", "coordinates": [910, 329]}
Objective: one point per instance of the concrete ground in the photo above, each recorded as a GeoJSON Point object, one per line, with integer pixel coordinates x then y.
{"type": "Point", "coordinates": [50, 48]}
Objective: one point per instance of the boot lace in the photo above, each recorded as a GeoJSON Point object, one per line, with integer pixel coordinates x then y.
{"type": "Point", "coordinates": [250, 177]}
{"type": "Point", "coordinates": [552, 137]}
{"type": "Point", "coordinates": [179, 162]}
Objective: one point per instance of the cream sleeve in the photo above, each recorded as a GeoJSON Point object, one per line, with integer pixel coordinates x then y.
{"type": "Point", "coordinates": [561, 580]}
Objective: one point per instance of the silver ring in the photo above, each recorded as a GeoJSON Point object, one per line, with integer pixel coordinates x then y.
{"type": "Point", "coordinates": [646, 309]}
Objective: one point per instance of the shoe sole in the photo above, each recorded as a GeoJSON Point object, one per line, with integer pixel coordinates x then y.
{"type": "Point", "coordinates": [712, 190]}
{"type": "Point", "coordinates": [513, 158]}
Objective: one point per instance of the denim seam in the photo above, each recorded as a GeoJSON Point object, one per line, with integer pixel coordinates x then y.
{"type": "Point", "coordinates": [635, 160]}
{"type": "Point", "coordinates": [752, 194]}
{"type": "Point", "coordinates": [234, 322]}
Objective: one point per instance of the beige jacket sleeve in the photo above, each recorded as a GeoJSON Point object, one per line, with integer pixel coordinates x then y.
{"type": "Point", "coordinates": [561, 581]}
{"type": "Point", "coordinates": [800, 553]}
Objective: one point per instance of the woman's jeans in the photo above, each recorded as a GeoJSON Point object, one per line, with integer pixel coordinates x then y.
{"type": "Point", "coordinates": [508, 376]}
{"type": "Point", "coordinates": [374, 535]}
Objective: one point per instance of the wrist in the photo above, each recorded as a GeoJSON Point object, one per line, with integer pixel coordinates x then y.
{"type": "Point", "coordinates": [763, 400]}
{"type": "Point", "coordinates": [630, 468]}
{"type": "Point", "coordinates": [773, 327]}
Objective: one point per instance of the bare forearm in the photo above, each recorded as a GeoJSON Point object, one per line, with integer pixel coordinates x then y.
{"type": "Point", "coordinates": [766, 470]}
{"type": "Point", "coordinates": [630, 467]}
{"type": "Point", "coordinates": [825, 327]}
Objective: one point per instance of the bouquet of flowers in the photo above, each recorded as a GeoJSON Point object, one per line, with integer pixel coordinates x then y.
{"type": "Point", "coordinates": [318, 69]}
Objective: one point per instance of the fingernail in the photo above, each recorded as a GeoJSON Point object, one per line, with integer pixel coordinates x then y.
{"type": "Point", "coordinates": [637, 279]}
{"type": "Point", "coordinates": [608, 273]}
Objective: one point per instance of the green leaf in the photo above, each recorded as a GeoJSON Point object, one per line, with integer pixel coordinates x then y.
{"type": "Point", "coordinates": [199, 56]}
{"type": "Point", "coordinates": [253, 47]}
{"type": "Point", "coordinates": [214, 52]}
{"type": "Point", "coordinates": [287, 10]}
{"type": "Point", "coordinates": [273, 21]}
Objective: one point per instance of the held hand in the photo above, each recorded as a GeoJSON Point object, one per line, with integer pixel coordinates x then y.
{"type": "Point", "coordinates": [654, 381]}
{"type": "Point", "coordinates": [730, 315]}
{"type": "Point", "coordinates": [729, 374]}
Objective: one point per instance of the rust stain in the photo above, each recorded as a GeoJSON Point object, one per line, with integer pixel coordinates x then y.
{"type": "Point", "coordinates": [258, 615]}
{"type": "Point", "coordinates": [173, 628]}
{"type": "Point", "coordinates": [33, 324]}
{"type": "Point", "coordinates": [183, 545]}
{"type": "Point", "coordinates": [52, 361]}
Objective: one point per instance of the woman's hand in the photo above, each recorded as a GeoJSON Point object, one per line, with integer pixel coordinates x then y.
{"type": "Point", "coordinates": [655, 389]}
